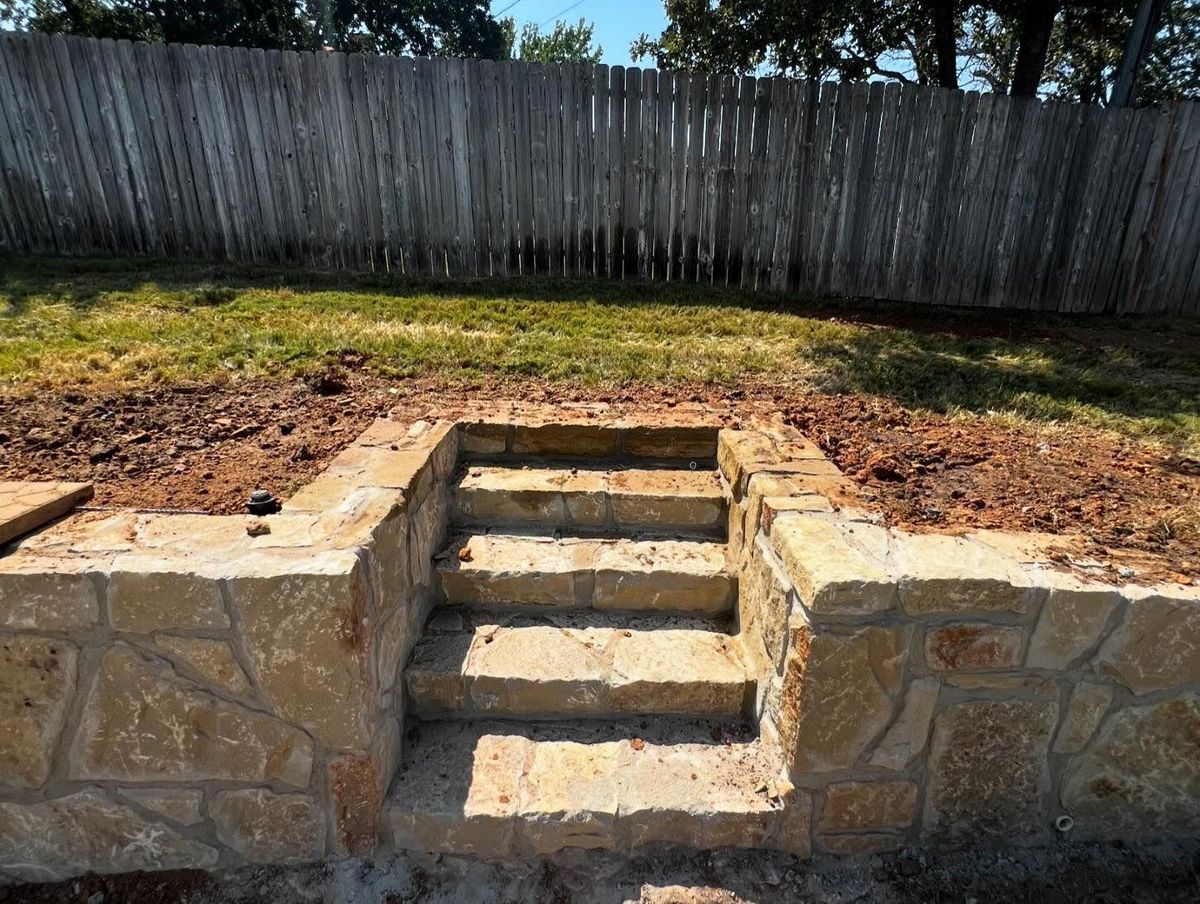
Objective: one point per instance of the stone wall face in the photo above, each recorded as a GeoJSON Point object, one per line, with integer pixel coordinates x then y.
{"type": "Point", "coordinates": [178, 691]}
{"type": "Point", "coordinates": [955, 690]}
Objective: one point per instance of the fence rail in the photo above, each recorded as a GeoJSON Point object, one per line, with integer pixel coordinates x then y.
{"type": "Point", "coordinates": [471, 167]}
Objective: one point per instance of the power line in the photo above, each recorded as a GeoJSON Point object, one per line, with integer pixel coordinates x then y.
{"type": "Point", "coordinates": [506, 9]}
{"type": "Point", "coordinates": [558, 15]}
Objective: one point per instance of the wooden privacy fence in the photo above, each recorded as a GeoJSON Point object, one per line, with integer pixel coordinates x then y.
{"type": "Point", "coordinates": [467, 167]}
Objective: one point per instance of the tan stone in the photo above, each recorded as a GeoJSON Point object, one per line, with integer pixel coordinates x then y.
{"type": "Point", "coordinates": [265, 827]}
{"type": "Point", "coordinates": [26, 505]}
{"type": "Point", "coordinates": [303, 628]}
{"type": "Point", "coordinates": [689, 500]}
{"type": "Point", "coordinates": [141, 725]}
{"type": "Point", "coordinates": [908, 734]}
{"type": "Point", "coordinates": [569, 797]}
{"type": "Point", "coordinates": [46, 594]}
{"type": "Point", "coordinates": [1088, 704]}
{"type": "Point", "coordinates": [829, 574]}
{"type": "Point", "coordinates": [943, 574]}
{"type": "Point", "coordinates": [409, 471]}
{"type": "Point", "coordinates": [669, 441]}
{"type": "Point", "coordinates": [1073, 617]}
{"type": "Point", "coordinates": [507, 495]}
{"type": "Point", "coordinates": [508, 570]}
{"type": "Point", "coordinates": [663, 575]}
{"type": "Point", "coordinates": [180, 805]}
{"type": "Point", "coordinates": [988, 771]}
{"type": "Point", "coordinates": [539, 671]}
{"type": "Point", "coordinates": [1157, 646]}
{"type": "Point", "coordinates": [967, 647]}
{"type": "Point", "coordinates": [868, 805]}
{"type": "Point", "coordinates": [866, 843]}
{"type": "Point", "coordinates": [436, 676]}
{"type": "Point", "coordinates": [794, 830]}
{"type": "Point", "coordinates": [679, 672]}
{"type": "Point", "coordinates": [155, 593]}
{"type": "Point", "coordinates": [468, 805]}
{"type": "Point", "coordinates": [1141, 774]}
{"type": "Point", "coordinates": [86, 832]}
{"type": "Point", "coordinates": [838, 694]}
{"type": "Point", "coordinates": [701, 796]}
{"type": "Point", "coordinates": [426, 532]}
{"type": "Point", "coordinates": [763, 600]}
{"type": "Point", "coordinates": [483, 438]}
{"type": "Point", "coordinates": [213, 659]}
{"type": "Point", "coordinates": [37, 679]}
{"type": "Point", "coordinates": [587, 440]}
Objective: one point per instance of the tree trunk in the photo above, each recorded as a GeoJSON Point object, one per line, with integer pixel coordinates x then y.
{"type": "Point", "coordinates": [1034, 25]}
{"type": "Point", "coordinates": [944, 46]}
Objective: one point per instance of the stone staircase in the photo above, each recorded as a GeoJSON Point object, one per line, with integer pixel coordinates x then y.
{"type": "Point", "coordinates": [581, 684]}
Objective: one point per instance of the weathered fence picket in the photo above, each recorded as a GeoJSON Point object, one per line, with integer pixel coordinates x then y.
{"type": "Point", "coordinates": [476, 168]}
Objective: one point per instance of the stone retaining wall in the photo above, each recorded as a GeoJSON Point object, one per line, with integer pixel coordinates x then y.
{"type": "Point", "coordinates": [954, 689]}
{"type": "Point", "coordinates": [187, 691]}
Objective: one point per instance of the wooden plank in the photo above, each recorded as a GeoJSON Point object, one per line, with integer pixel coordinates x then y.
{"type": "Point", "coordinates": [552, 84]}
{"type": "Point", "coordinates": [489, 194]}
{"type": "Point", "coordinates": [709, 161]}
{"type": "Point", "coordinates": [834, 182]}
{"type": "Point", "coordinates": [521, 99]}
{"type": "Point", "coordinates": [1139, 233]}
{"type": "Point", "coordinates": [16, 191]}
{"type": "Point", "coordinates": [691, 213]}
{"type": "Point", "coordinates": [646, 172]}
{"type": "Point", "coordinates": [432, 155]}
{"type": "Point", "coordinates": [616, 155]}
{"type": "Point", "coordinates": [1180, 187]}
{"type": "Point", "coordinates": [478, 149]}
{"type": "Point", "coordinates": [1179, 299]}
{"type": "Point", "coordinates": [408, 177]}
{"type": "Point", "coordinates": [511, 162]}
{"type": "Point", "coordinates": [584, 174]}
{"type": "Point", "coordinates": [232, 128]}
{"type": "Point", "coordinates": [844, 265]}
{"type": "Point", "coordinates": [297, 74]}
{"type": "Point", "coordinates": [631, 138]}
{"type": "Point", "coordinates": [757, 173]}
{"type": "Point", "coordinates": [1054, 210]}
{"type": "Point", "coordinates": [372, 105]}
{"type": "Point", "coordinates": [661, 205]}
{"type": "Point", "coordinates": [680, 107]}
{"type": "Point", "coordinates": [600, 170]}
{"type": "Point", "coordinates": [265, 175]}
{"type": "Point", "coordinates": [539, 155]}
{"type": "Point", "coordinates": [793, 160]}
{"type": "Point", "coordinates": [932, 230]}
{"type": "Point", "coordinates": [363, 166]}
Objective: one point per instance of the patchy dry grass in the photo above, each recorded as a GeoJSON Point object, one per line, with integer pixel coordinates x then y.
{"type": "Point", "coordinates": [112, 322]}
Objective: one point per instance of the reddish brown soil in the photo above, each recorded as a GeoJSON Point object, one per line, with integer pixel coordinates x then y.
{"type": "Point", "coordinates": [205, 447]}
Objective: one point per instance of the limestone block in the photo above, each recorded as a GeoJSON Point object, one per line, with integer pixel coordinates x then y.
{"type": "Point", "coordinates": [856, 844]}
{"type": "Point", "coordinates": [356, 795]}
{"type": "Point", "coordinates": [942, 574]}
{"type": "Point", "coordinates": [471, 808]}
{"type": "Point", "coordinates": [47, 593]}
{"type": "Point", "coordinates": [180, 805]}
{"type": "Point", "coordinates": [685, 441]}
{"type": "Point", "coordinates": [86, 832]}
{"type": "Point", "coordinates": [838, 694]}
{"type": "Point", "coordinates": [764, 605]}
{"type": "Point", "coordinates": [973, 647]}
{"type": "Point", "coordinates": [1141, 774]}
{"type": "Point", "coordinates": [37, 679]}
{"type": "Point", "coordinates": [988, 771]}
{"type": "Point", "coordinates": [483, 438]}
{"type": "Point", "coordinates": [647, 675]}
{"type": "Point", "coordinates": [408, 471]}
{"type": "Point", "coordinates": [139, 724]}
{"type": "Point", "coordinates": [568, 673]}
{"type": "Point", "coordinates": [1086, 708]}
{"type": "Point", "coordinates": [669, 575]}
{"type": "Point", "coordinates": [569, 797]}
{"type": "Point", "coordinates": [1157, 646]}
{"type": "Point", "coordinates": [162, 592]}
{"type": "Point", "coordinates": [830, 576]}
{"type": "Point", "coordinates": [868, 805]}
{"type": "Point", "coordinates": [304, 628]}
{"type": "Point", "coordinates": [696, 797]}
{"type": "Point", "coordinates": [426, 530]}
{"type": "Point", "coordinates": [213, 659]}
{"type": "Point", "coordinates": [587, 440]}
{"type": "Point", "coordinates": [26, 504]}
{"type": "Point", "coordinates": [265, 827]}
{"type": "Point", "coordinates": [1072, 619]}
{"type": "Point", "coordinates": [436, 676]}
{"type": "Point", "coordinates": [794, 830]}
{"type": "Point", "coordinates": [908, 734]}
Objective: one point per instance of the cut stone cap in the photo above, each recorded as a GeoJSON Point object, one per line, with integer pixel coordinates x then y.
{"type": "Point", "coordinates": [26, 505]}
{"type": "Point", "coordinates": [845, 567]}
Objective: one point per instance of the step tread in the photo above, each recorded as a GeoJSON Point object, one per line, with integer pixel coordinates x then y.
{"type": "Point", "coordinates": [574, 572]}
{"type": "Point", "coordinates": [570, 670]}
{"type": "Point", "coordinates": [595, 498]}
{"type": "Point", "coordinates": [493, 789]}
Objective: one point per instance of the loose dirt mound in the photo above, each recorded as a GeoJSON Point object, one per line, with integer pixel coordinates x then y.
{"type": "Point", "coordinates": [206, 446]}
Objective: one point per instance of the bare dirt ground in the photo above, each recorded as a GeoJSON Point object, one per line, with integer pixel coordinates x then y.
{"type": "Point", "coordinates": [1066, 874]}
{"type": "Point", "coordinates": [205, 446]}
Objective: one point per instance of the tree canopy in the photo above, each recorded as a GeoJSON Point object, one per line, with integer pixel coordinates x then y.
{"type": "Point", "coordinates": [422, 27]}
{"type": "Point", "coordinates": [565, 44]}
{"type": "Point", "coordinates": [1066, 50]}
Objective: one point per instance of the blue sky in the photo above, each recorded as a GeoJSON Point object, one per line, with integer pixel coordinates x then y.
{"type": "Point", "coordinates": [618, 22]}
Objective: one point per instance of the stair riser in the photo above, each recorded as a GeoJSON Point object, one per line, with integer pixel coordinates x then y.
{"type": "Point", "coordinates": [607, 589]}
{"type": "Point", "coordinates": [591, 511]}
{"type": "Point", "coordinates": [438, 696]}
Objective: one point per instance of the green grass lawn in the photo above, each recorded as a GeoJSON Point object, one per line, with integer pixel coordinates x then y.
{"type": "Point", "coordinates": [114, 322]}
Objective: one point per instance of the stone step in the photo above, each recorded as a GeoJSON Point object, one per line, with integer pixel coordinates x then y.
{"type": "Point", "coordinates": [592, 499]}
{"type": "Point", "coordinates": [503, 790]}
{"type": "Point", "coordinates": [574, 668]}
{"type": "Point", "coordinates": [505, 570]}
